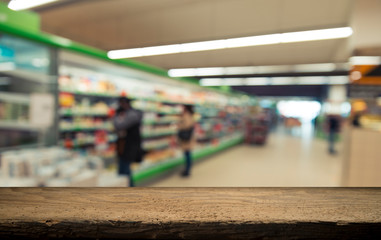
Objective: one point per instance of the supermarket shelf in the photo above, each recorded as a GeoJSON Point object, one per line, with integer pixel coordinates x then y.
{"type": "Point", "coordinates": [92, 114]}
{"type": "Point", "coordinates": [158, 122]}
{"type": "Point", "coordinates": [18, 125]}
{"type": "Point", "coordinates": [88, 114]}
{"type": "Point", "coordinates": [205, 139]}
{"type": "Point", "coordinates": [163, 100]}
{"type": "Point", "coordinates": [78, 129]}
{"type": "Point", "coordinates": [152, 135]}
{"type": "Point", "coordinates": [31, 76]}
{"type": "Point", "coordinates": [79, 145]}
{"type": "Point", "coordinates": [85, 144]}
{"type": "Point", "coordinates": [158, 111]}
{"type": "Point", "coordinates": [19, 147]}
{"type": "Point", "coordinates": [162, 146]}
{"type": "Point", "coordinates": [159, 168]}
{"type": "Point", "coordinates": [210, 117]}
{"type": "Point", "coordinates": [90, 94]}
{"type": "Point", "coordinates": [15, 97]}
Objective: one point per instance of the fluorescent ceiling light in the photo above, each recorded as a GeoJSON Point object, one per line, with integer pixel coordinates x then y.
{"type": "Point", "coordinates": [209, 71]}
{"type": "Point", "coordinates": [313, 35]}
{"type": "Point", "coordinates": [277, 38]}
{"type": "Point", "coordinates": [261, 81]}
{"type": "Point", "coordinates": [240, 70]}
{"type": "Point", "coordinates": [211, 82]}
{"type": "Point", "coordinates": [314, 80]}
{"type": "Point", "coordinates": [365, 60]}
{"type": "Point", "coordinates": [200, 46]}
{"type": "Point", "coordinates": [253, 41]}
{"type": "Point", "coordinates": [319, 67]}
{"type": "Point", "coordinates": [283, 81]}
{"type": "Point", "coordinates": [257, 81]}
{"type": "Point", "coordinates": [25, 4]}
{"type": "Point", "coordinates": [183, 72]}
{"type": "Point", "coordinates": [233, 81]}
{"type": "Point", "coordinates": [338, 80]}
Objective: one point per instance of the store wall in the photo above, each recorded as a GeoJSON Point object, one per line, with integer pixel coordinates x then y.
{"type": "Point", "coordinates": [316, 91]}
{"type": "Point", "coordinates": [365, 22]}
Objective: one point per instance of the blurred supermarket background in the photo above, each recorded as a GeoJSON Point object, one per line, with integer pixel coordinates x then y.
{"type": "Point", "coordinates": [269, 81]}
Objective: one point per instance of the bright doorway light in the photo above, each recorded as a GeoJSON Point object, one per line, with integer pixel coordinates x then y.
{"type": "Point", "coordinates": [208, 82]}
{"type": "Point", "coordinates": [305, 110]}
{"type": "Point", "coordinates": [25, 4]}
{"type": "Point", "coordinates": [277, 38]}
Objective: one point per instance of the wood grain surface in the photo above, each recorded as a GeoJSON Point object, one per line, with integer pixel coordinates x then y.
{"type": "Point", "coordinates": [191, 213]}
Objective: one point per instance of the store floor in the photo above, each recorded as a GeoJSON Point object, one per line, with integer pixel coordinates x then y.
{"type": "Point", "coordinates": [285, 161]}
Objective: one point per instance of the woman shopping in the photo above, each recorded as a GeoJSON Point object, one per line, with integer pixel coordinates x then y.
{"type": "Point", "coordinates": [186, 136]}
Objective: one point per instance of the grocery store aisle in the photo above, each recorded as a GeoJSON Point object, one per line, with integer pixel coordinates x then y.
{"type": "Point", "coordinates": [286, 161]}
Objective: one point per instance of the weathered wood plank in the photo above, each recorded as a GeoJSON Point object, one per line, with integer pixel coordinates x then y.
{"type": "Point", "coordinates": [191, 213]}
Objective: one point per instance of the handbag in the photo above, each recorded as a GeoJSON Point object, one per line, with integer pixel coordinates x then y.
{"type": "Point", "coordinates": [120, 146]}
{"type": "Point", "coordinates": [185, 134]}
{"type": "Point", "coordinates": [140, 156]}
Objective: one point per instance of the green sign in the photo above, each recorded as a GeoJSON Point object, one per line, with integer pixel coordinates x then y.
{"type": "Point", "coordinates": [28, 21]}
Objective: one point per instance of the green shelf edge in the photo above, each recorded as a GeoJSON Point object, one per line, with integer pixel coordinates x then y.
{"type": "Point", "coordinates": [92, 94]}
{"type": "Point", "coordinates": [157, 147]}
{"type": "Point", "coordinates": [158, 134]}
{"type": "Point", "coordinates": [163, 167]}
{"type": "Point", "coordinates": [158, 122]}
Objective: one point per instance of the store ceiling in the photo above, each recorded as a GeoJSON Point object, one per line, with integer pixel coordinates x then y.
{"type": "Point", "coordinates": [116, 24]}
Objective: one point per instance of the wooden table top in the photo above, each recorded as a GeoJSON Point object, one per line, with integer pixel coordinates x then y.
{"type": "Point", "coordinates": [190, 213]}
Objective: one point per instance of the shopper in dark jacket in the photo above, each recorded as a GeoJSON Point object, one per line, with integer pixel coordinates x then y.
{"type": "Point", "coordinates": [333, 129]}
{"type": "Point", "coordinates": [186, 136]}
{"type": "Point", "coordinates": [127, 125]}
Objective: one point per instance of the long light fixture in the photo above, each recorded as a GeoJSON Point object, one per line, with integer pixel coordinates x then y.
{"type": "Point", "coordinates": [365, 60]}
{"type": "Point", "coordinates": [278, 38]}
{"type": "Point", "coordinates": [245, 70]}
{"type": "Point", "coordinates": [268, 81]}
{"type": "Point", "coordinates": [25, 4]}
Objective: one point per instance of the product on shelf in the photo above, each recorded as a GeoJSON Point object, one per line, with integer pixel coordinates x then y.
{"type": "Point", "coordinates": [78, 124]}
{"type": "Point", "coordinates": [86, 114]}
{"type": "Point", "coordinates": [153, 144]}
{"type": "Point", "coordinates": [49, 167]}
{"type": "Point", "coordinates": [151, 131]}
{"type": "Point", "coordinates": [158, 156]}
{"type": "Point", "coordinates": [86, 84]}
{"type": "Point", "coordinates": [153, 118]}
{"type": "Point", "coordinates": [10, 111]}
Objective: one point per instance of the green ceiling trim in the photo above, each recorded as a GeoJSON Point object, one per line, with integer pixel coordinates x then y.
{"type": "Point", "coordinates": [29, 21]}
{"type": "Point", "coordinates": [70, 45]}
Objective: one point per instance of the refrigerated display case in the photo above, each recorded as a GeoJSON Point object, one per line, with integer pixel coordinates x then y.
{"type": "Point", "coordinates": [89, 90]}
{"type": "Point", "coordinates": [27, 77]}
{"type": "Point", "coordinates": [79, 87]}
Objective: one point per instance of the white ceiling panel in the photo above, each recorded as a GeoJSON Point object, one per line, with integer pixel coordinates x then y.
{"type": "Point", "coordinates": [292, 53]}
{"type": "Point", "coordinates": [116, 24]}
